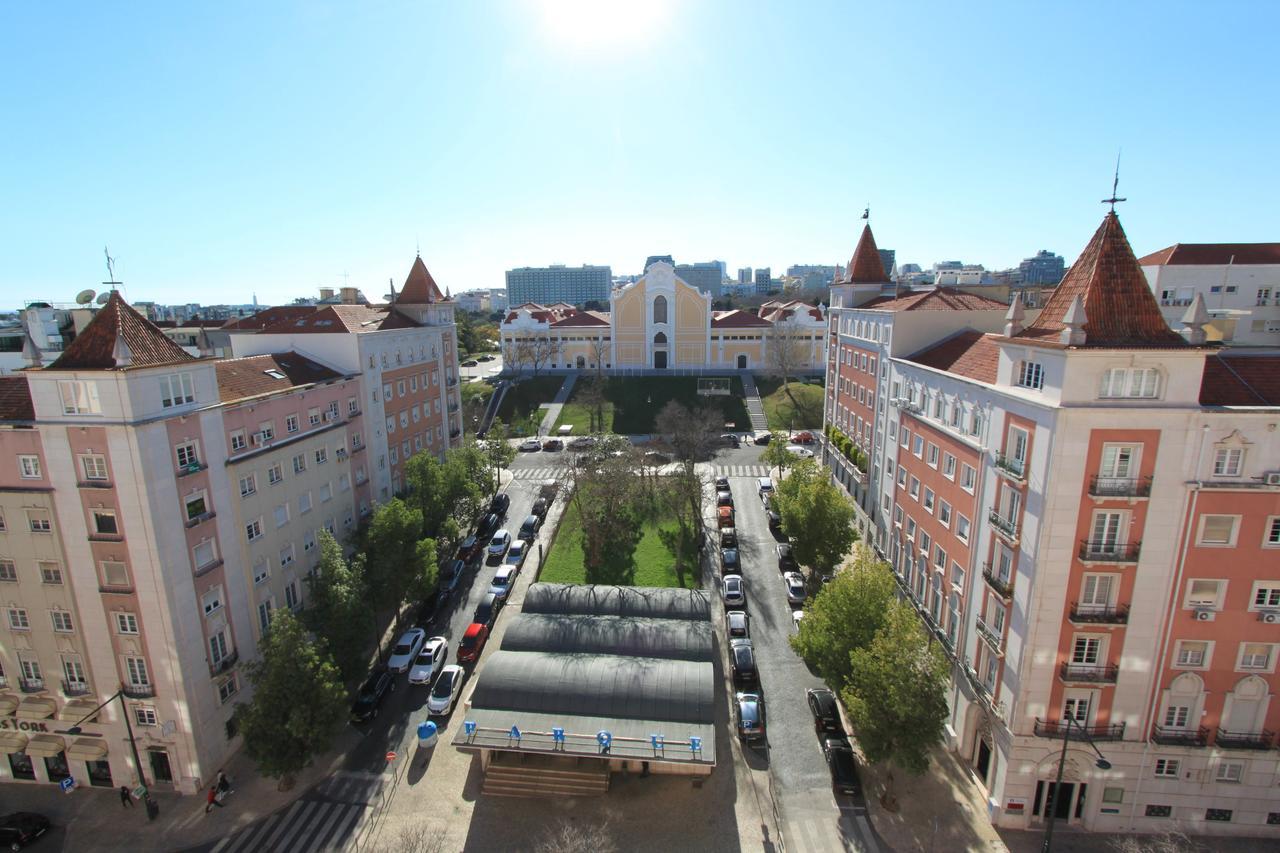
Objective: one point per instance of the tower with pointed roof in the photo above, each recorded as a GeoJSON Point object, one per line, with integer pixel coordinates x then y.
{"type": "Point", "coordinates": [421, 300]}
{"type": "Point", "coordinates": [863, 278]}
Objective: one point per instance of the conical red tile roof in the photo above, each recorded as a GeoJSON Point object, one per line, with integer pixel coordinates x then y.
{"type": "Point", "coordinates": [1119, 307]}
{"type": "Point", "coordinates": [419, 288]}
{"type": "Point", "coordinates": [95, 347]}
{"type": "Point", "coordinates": [865, 266]}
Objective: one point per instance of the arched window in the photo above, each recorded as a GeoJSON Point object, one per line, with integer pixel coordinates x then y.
{"type": "Point", "coordinates": [660, 309]}
{"type": "Point", "coordinates": [1245, 707]}
{"type": "Point", "coordinates": [661, 337]}
{"type": "Point", "coordinates": [1182, 704]}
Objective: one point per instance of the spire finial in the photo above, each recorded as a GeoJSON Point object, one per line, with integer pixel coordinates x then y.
{"type": "Point", "coordinates": [866, 211]}
{"type": "Point", "coordinates": [1114, 184]}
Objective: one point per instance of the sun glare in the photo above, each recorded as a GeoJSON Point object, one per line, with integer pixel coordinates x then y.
{"type": "Point", "coordinates": [600, 23]}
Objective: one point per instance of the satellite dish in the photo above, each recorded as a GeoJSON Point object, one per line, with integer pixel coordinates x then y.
{"type": "Point", "coordinates": [102, 298]}
{"type": "Point", "coordinates": [84, 297]}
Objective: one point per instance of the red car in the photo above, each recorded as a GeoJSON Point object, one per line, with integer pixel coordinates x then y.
{"type": "Point", "coordinates": [803, 437]}
{"type": "Point", "coordinates": [469, 550]}
{"type": "Point", "coordinates": [472, 643]}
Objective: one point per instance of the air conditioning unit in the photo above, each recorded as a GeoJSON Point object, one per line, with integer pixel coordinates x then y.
{"type": "Point", "coordinates": [1272, 478]}
{"type": "Point", "coordinates": [1203, 615]}
{"type": "Point", "coordinates": [1271, 617]}
{"type": "Point", "coordinates": [255, 438]}
{"type": "Point", "coordinates": [330, 416]}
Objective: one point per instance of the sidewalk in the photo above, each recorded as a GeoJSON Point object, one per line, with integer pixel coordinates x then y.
{"type": "Point", "coordinates": [557, 403]}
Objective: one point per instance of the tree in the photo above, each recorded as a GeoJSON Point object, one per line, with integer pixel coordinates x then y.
{"type": "Point", "coordinates": [817, 516]}
{"type": "Point", "coordinates": [896, 693]}
{"type": "Point", "coordinates": [577, 837]}
{"type": "Point", "coordinates": [844, 616]}
{"type": "Point", "coordinates": [786, 351]}
{"type": "Point", "coordinates": [605, 494]}
{"type": "Point", "coordinates": [691, 433]}
{"type": "Point", "coordinates": [681, 494]}
{"type": "Point", "coordinates": [299, 702]}
{"type": "Point", "coordinates": [393, 554]}
{"type": "Point", "coordinates": [776, 454]}
{"type": "Point", "coordinates": [516, 354]}
{"type": "Point", "coordinates": [338, 607]}
{"type": "Point", "coordinates": [543, 351]}
{"type": "Point", "coordinates": [498, 452]}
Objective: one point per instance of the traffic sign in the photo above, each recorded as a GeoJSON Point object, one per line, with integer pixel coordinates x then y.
{"type": "Point", "coordinates": [391, 756]}
{"type": "Point", "coordinates": [67, 785]}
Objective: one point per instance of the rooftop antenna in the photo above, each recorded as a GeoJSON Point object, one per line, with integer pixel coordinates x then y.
{"type": "Point", "coordinates": [1114, 184]}
{"type": "Point", "coordinates": [111, 270]}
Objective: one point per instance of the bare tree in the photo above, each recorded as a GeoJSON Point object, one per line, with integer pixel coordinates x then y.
{"type": "Point", "coordinates": [516, 354]}
{"type": "Point", "coordinates": [569, 837]}
{"type": "Point", "coordinates": [597, 391]}
{"type": "Point", "coordinates": [1165, 842]}
{"type": "Point", "coordinates": [421, 837]}
{"type": "Point", "coordinates": [786, 351]}
{"type": "Point", "coordinates": [542, 351]}
{"type": "Point", "coordinates": [690, 433]}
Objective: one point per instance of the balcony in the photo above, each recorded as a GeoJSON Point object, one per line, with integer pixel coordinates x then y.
{"type": "Point", "coordinates": [193, 468]}
{"type": "Point", "coordinates": [454, 433]}
{"type": "Point", "coordinates": [201, 518]}
{"type": "Point", "coordinates": [30, 685]}
{"type": "Point", "coordinates": [106, 537]}
{"type": "Point", "coordinates": [1011, 466]}
{"type": "Point", "coordinates": [1088, 673]}
{"type": "Point", "coordinates": [1075, 731]}
{"type": "Point", "coordinates": [201, 571]}
{"type": "Point", "coordinates": [1003, 586]}
{"type": "Point", "coordinates": [1007, 528]}
{"type": "Point", "coordinates": [95, 484]}
{"type": "Point", "coordinates": [453, 407]}
{"type": "Point", "coordinates": [228, 661]}
{"type": "Point", "coordinates": [1106, 551]}
{"type": "Point", "coordinates": [1172, 736]}
{"type": "Point", "coordinates": [1120, 487]}
{"type": "Point", "coordinates": [138, 691]}
{"type": "Point", "coordinates": [990, 634]}
{"type": "Point", "coordinates": [1244, 740]}
{"type": "Point", "coordinates": [116, 588]}
{"type": "Point", "coordinates": [74, 688]}
{"type": "Point", "coordinates": [1093, 614]}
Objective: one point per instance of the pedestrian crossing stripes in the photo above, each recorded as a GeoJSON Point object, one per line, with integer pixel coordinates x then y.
{"type": "Point", "coordinates": [536, 473]}
{"type": "Point", "coordinates": [328, 818]}
{"type": "Point", "coordinates": [353, 787]}
{"type": "Point", "coordinates": [816, 835]}
{"type": "Point", "coordinates": [742, 470]}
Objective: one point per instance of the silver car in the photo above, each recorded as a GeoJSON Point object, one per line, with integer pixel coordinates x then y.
{"type": "Point", "coordinates": [733, 590]}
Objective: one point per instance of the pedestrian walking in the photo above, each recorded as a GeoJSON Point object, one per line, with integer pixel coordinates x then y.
{"type": "Point", "coordinates": [224, 785]}
{"type": "Point", "coordinates": [212, 799]}
{"type": "Point", "coordinates": [126, 799]}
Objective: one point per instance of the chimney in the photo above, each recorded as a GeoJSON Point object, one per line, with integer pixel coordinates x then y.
{"type": "Point", "coordinates": [1013, 321]}
{"type": "Point", "coordinates": [348, 295]}
{"type": "Point", "coordinates": [326, 293]}
{"type": "Point", "coordinates": [1073, 324]}
{"type": "Point", "coordinates": [1194, 320]}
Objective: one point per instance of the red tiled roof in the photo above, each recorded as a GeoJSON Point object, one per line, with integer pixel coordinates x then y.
{"type": "Point", "coordinates": [966, 353]}
{"type": "Point", "coordinates": [247, 377]}
{"type": "Point", "coordinates": [865, 266]}
{"type": "Point", "coordinates": [329, 319]}
{"type": "Point", "coordinates": [1191, 254]}
{"type": "Point", "coordinates": [419, 287]}
{"type": "Point", "coordinates": [937, 299]}
{"type": "Point", "coordinates": [583, 318]}
{"type": "Point", "coordinates": [270, 317]}
{"type": "Point", "coordinates": [15, 399]}
{"type": "Point", "coordinates": [737, 319]}
{"type": "Point", "coordinates": [775, 310]}
{"type": "Point", "coordinates": [1232, 379]}
{"type": "Point", "coordinates": [541, 313]}
{"type": "Point", "coordinates": [1119, 307]}
{"type": "Point", "coordinates": [95, 347]}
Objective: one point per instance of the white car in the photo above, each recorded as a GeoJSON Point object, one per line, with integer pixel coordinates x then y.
{"type": "Point", "coordinates": [500, 542]}
{"type": "Point", "coordinates": [430, 660]}
{"type": "Point", "coordinates": [503, 580]}
{"type": "Point", "coordinates": [733, 591]}
{"type": "Point", "coordinates": [446, 690]}
{"type": "Point", "coordinates": [795, 587]}
{"type": "Point", "coordinates": [765, 485]}
{"type": "Point", "coordinates": [530, 444]}
{"type": "Point", "coordinates": [802, 452]}
{"type": "Point", "coordinates": [516, 554]}
{"type": "Point", "coordinates": [406, 649]}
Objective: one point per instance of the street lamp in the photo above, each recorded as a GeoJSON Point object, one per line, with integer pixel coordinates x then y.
{"type": "Point", "coordinates": [133, 745]}
{"type": "Point", "coordinates": [1101, 764]}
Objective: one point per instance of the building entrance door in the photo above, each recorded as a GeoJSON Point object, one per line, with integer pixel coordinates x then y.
{"type": "Point", "coordinates": [742, 362]}
{"type": "Point", "coordinates": [160, 769]}
{"type": "Point", "coordinates": [660, 359]}
{"type": "Point", "coordinates": [983, 760]}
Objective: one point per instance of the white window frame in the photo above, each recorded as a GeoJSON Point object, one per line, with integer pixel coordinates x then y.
{"type": "Point", "coordinates": [248, 484]}
{"type": "Point", "coordinates": [79, 397]}
{"type": "Point", "coordinates": [93, 466]}
{"type": "Point", "coordinates": [1231, 539]}
{"type": "Point", "coordinates": [1188, 603]}
{"type": "Point", "coordinates": [126, 623]}
{"type": "Point", "coordinates": [1251, 662]}
{"type": "Point", "coordinates": [29, 466]}
{"type": "Point", "coordinates": [1167, 768]}
{"type": "Point", "coordinates": [1030, 375]}
{"type": "Point", "coordinates": [211, 600]}
{"type": "Point", "coordinates": [1265, 596]}
{"type": "Point", "coordinates": [176, 389]}
{"type": "Point", "coordinates": [1192, 654]}
{"type": "Point", "coordinates": [212, 550]}
{"type": "Point", "coordinates": [1131, 383]}
{"type": "Point", "coordinates": [1228, 461]}
{"type": "Point", "coordinates": [1229, 771]}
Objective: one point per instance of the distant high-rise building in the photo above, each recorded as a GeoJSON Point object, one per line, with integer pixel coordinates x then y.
{"type": "Point", "coordinates": [558, 283]}
{"type": "Point", "coordinates": [887, 257]}
{"type": "Point", "coordinates": [1044, 268]}
{"type": "Point", "coordinates": [653, 259]}
{"type": "Point", "coordinates": [744, 275]}
{"type": "Point", "coordinates": [706, 276]}
{"type": "Point", "coordinates": [764, 279]}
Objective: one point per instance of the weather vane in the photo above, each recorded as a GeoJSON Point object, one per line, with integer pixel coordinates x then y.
{"type": "Point", "coordinates": [1114, 184]}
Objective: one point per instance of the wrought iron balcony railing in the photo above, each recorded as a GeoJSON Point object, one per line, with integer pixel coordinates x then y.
{"type": "Point", "coordinates": [1076, 731]}
{"type": "Point", "coordinates": [1106, 551]}
{"type": "Point", "coordinates": [1003, 586]}
{"type": "Point", "coordinates": [1012, 465]}
{"type": "Point", "coordinates": [1180, 736]}
{"type": "Point", "coordinates": [1120, 487]}
{"type": "Point", "coordinates": [1089, 673]}
{"type": "Point", "coordinates": [1093, 614]}
{"type": "Point", "coordinates": [1244, 740]}
{"type": "Point", "coordinates": [1005, 526]}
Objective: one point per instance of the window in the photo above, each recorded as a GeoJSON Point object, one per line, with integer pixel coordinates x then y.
{"type": "Point", "coordinates": [30, 466]}
{"type": "Point", "coordinates": [939, 557]}
{"type": "Point", "coordinates": [176, 389]}
{"type": "Point", "coordinates": [391, 425]}
{"type": "Point", "coordinates": [1112, 795]}
{"type": "Point", "coordinates": [1108, 533]}
{"type": "Point", "coordinates": [39, 521]}
{"type": "Point", "coordinates": [136, 668]}
{"type": "Point", "coordinates": [3, 526]}
{"type": "Point", "coordinates": [126, 623]}
{"type": "Point", "coordinates": [957, 574]}
{"type": "Point", "coordinates": [1167, 768]}
{"type": "Point", "coordinates": [1130, 382]}
{"type": "Point", "coordinates": [18, 619]}
{"type": "Point", "coordinates": [944, 513]}
{"type": "Point", "coordinates": [326, 492]}
{"type": "Point", "coordinates": [299, 463]}
{"type": "Point", "coordinates": [1255, 656]}
{"type": "Point", "coordinates": [1230, 771]}
{"type": "Point", "coordinates": [266, 431]}
{"type": "Point", "coordinates": [1218, 530]}
{"type": "Point", "coordinates": [291, 598]}
{"type": "Point", "coordinates": [968, 478]}
{"type": "Point", "coordinates": [253, 530]}
{"type": "Point", "coordinates": [115, 573]}
{"type": "Point", "coordinates": [1263, 596]}
{"type": "Point", "coordinates": [1031, 374]}
{"type": "Point", "coordinates": [387, 393]}
{"type": "Point", "coordinates": [286, 555]}
{"type": "Point", "coordinates": [264, 614]}
{"type": "Point", "coordinates": [79, 397]}
{"type": "Point", "coordinates": [929, 498]}
{"type": "Point", "coordinates": [61, 621]}
{"type": "Point", "coordinates": [1270, 539]}
{"type": "Point", "coordinates": [1096, 591]}
{"type": "Point", "coordinates": [1159, 811]}
{"type": "Point", "coordinates": [50, 573]}
{"type": "Point", "coordinates": [1220, 815]}
{"type": "Point", "coordinates": [1203, 594]}
{"type": "Point", "coordinates": [218, 649]}
{"type": "Point", "coordinates": [261, 570]}
{"type": "Point", "coordinates": [902, 477]}
{"type": "Point", "coordinates": [1227, 462]}
{"type": "Point", "coordinates": [227, 689]}
{"type": "Point", "coordinates": [933, 455]}
{"type": "Point", "coordinates": [344, 483]}
{"type": "Point", "coordinates": [1016, 445]}
{"type": "Point", "coordinates": [917, 446]}
{"type": "Point", "coordinates": [915, 488]}
{"type": "Point", "coordinates": [212, 600]}
{"type": "Point", "coordinates": [1086, 650]}
{"type": "Point", "coordinates": [313, 416]}
{"type": "Point", "coordinates": [291, 423]}
{"type": "Point", "coordinates": [322, 455]}
{"type": "Point", "coordinates": [948, 466]}
{"type": "Point", "coordinates": [1176, 716]}
{"type": "Point", "coordinates": [281, 514]}
{"type": "Point", "coordinates": [275, 474]}
{"type": "Point", "coordinates": [30, 668]}
{"type": "Point", "coordinates": [204, 554]}
{"type": "Point", "coordinates": [94, 467]}
{"type": "Point", "coordinates": [195, 506]}
{"type": "Point", "coordinates": [962, 528]}
{"type": "Point", "coordinates": [187, 456]}
{"type": "Point", "coordinates": [105, 522]}
{"type": "Point", "coordinates": [304, 503]}
{"type": "Point", "coordinates": [1075, 708]}
{"type": "Point", "coordinates": [248, 485]}
{"type": "Point", "coordinates": [1192, 653]}
{"type": "Point", "coordinates": [660, 309]}
{"type": "Point", "coordinates": [308, 541]}
{"type": "Point", "coordinates": [1119, 461]}
{"type": "Point", "coordinates": [8, 571]}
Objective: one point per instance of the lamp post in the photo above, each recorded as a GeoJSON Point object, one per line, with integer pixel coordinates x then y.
{"type": "Point", "coordinates": [1101, 764]}
{"type": "Point", "coordinates": [133, 745]}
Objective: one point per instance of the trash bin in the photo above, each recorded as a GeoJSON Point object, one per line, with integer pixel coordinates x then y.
{"type": "Point", "coordinates": [427, 734]}
{"type": "Point", "coordinates": [153, 808]}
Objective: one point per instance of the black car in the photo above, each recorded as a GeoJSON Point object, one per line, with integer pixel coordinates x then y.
{"type": "Point", "coordinates": [722, 484]}
{"type": "Point", "coordinates": [764, 438]}
{"type": "Point", "coordinates": [529, 530]}
{"type": "Point", "coordinates": [775, 521]}
{"type": "Point", "coordinates": [742, 659]}
{"type": "Point", "coordinates": [487, 526]}
{"type": "Point", "coordinates": [724, 498]}
{"type": "Point", "coordinates": [826, 714]}
{"type": "Point", "coordinates": [749, 716]}
{"type": "Point", "coordinates": [728, 537]}
{"type": "Point", "coordinates": [729, 562]}
{"type": "Point", "coordinates": [19, 829]}
{"type": "Point", "coordinates": [487, 610]}
{"type": "Point", "coordinates": [540, 507]}
{"type": "Point", "coordinates": [372, 692]}
{"type": "Point", "coordinates": [786, 562]}
{"type": "Point", "coordinates": [840, 761]}
{"type": "Point", "coordinates": [498, 506]}
{"type": "Point", "coordinates": [728, 439]}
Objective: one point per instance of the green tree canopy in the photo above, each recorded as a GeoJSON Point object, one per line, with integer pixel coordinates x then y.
{"type": "Point", "coordinates": [498, 452]}
{"type": "Point", "coordinates": [844, 616]}
{"type": "Point", "coordinates": [338, 607]}
{"type": "Point", "coordinates": [775, 453]}
{"type": "Point", "coordinates": [299, 703]}
{"type": "Point", "coordinates": [391, 546]}
{"type": "Point", "coordinates": [816, 515]}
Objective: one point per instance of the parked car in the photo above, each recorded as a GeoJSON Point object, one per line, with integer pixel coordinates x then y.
{"type": "Point", "coordinates": [473, 640]}
{"type": "Point", "coordinates": [540, 507]}
{"type": "Point", "coordinates": [725, 516]}
{"type": "Point", "coordinates": [749, 716]}
{"type": "Point", "coordinates": [730, 564]}
{"type": "Point", "coordinates": [729, 537]}
{"type": "Point", "coordinates": [802, 452]}
{"type": "Point", "coordinates": [430, 660]}
{"type": "Point", "coordinates": [451, 576]}
{"type": "Point", "coordinates": [406, 650]}
{"type": "Point", "coordinates": [19, 829]}
{"type": "Point", "coordinates": [738, 623]}
{"type": "Point", "coordinates": [484, 358]}
{"type": "Point", "coordinates": [775, 521]}
{"type": "Point", "coordinates": [826, 712]}
{"type": "Point", "coordinates": [470, 549]}
{"type": "Point", "coordinates": [553, 444]}
{"type": "Point", "coordinates": [742, 660]}
{"type": "Point", "coordinates": [843, 767]}
{"type": "Point", "coordinates": [529, 445]}
{"type": "Point", "coordinates": [499, 544]}
{"type": "Point", "coordinates": [656, 457]}
{"type": "Point", "coordinates": [487, 610]}
{"type": "Point", "coordinates": [516, 555]}
{"type": "Point", "coordinates": [503, 580]}
{"type": "Point", "coordinates": [763, 437]}
{"type": "Point", "coordinates": [487, 525]}
{"type": "Point", "coordinates": [786, 562]}
{"type": "Point", "coordinates": [529, 529]}
{"type": "Point", "coordinates": [733, 591]}
{"type": "Point", "coordinates": [582, 442]}
{"type": "Point", "coordinates": [728, 439]}
{"type": "Point", "coordinates": [498, 506]}
{"type": "Point", "coordinates": [765, 486]}
{"type": "Point", "coordinates": [722, 484]}
{"type": "Point", "coordinates": [471, 363]}
{"type": "Point", "coordinates": [724, 498]}
{"type": "Point", "coordinates": [795, 587]}
{"type": "Point", "coordinates": [802, 437]}
{"type": "Point", "coordinates": [446, 691]}
{"type": "Point", "coordinates": [372, 692]}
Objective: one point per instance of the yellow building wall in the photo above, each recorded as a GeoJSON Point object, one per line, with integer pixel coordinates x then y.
{"type": "Point", "coordinates": [691, 326]}
{"type": "Point", "coordinates": [628, 326]}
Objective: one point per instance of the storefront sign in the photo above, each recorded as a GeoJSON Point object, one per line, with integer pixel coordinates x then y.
{"type": "Point", "coordinates": [1015, 805]}
{"type": "Point", "coordinates": [14, 724]}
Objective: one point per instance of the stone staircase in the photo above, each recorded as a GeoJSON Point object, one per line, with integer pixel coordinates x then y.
{"type": "Point", "coordinates": [755, 408]}
{"type": "Point", "coordinates": [511, 775]}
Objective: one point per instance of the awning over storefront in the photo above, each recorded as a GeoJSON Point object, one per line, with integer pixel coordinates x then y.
{"type": "Point", "coordinates": [12, 742]}
{"type": "Point", "coordinates": [43, 746]}
{"type": "Point", "coordinates": [8, 704]}
{"type": "Point", "coordinates": [77, 708]}
{"type": "Point", "coordinates": [87, 749]}
{"type": "Point", "coordinates": [37, 708]}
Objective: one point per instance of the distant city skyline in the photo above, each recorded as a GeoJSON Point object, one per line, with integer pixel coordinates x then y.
{"type": "Point", "coordinates": [283, 148]}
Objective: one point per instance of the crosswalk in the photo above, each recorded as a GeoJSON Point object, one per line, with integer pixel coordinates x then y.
{"type": "Point", "coordinates": [328, 818]}
{"type": "Point", "coordinates": [554, 472]}
{"type": "Point", "coordinates": [741, 470]}
{"type": "Point", "coordinates": [549, 473]}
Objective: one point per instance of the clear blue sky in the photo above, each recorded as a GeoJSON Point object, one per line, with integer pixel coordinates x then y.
{"type": "Point", "coordinates": [223, 149]}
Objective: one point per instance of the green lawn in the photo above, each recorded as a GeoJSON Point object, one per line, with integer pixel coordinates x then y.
{"type": "Point", "coordinates": [805, 412]}
{"type": "Point", "coordinates": [651, 564]}
{"type": "Point", "coordinates": [519, 408]}
{"type": "Point", "coordinates": [632, 403]}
